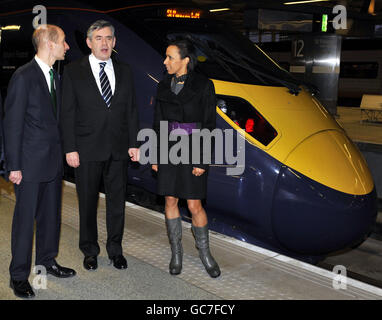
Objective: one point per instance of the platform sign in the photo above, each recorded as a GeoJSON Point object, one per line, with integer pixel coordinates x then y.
{"type": "Point", "coordinates": [316, 59]}
{"type": "Point", "coordinates": [183, 13]}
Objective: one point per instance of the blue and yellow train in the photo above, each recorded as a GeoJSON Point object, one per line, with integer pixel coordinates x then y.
{"type": "Point", "coordinates": [305, 190]}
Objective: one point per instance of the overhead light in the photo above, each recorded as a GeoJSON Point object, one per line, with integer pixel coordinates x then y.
{"type": "Point", "coordinates": [304, 1]}
{"type": "Point", "coordinates": [11, 27]}
{"type": "Point", "coordinates": [371, 8]}
{"type": "Point", "coordinates": [220, 9]}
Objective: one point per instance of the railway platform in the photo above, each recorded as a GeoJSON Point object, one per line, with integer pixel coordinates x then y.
{"type": "Point", "coordinates": [353, 121]}
{"type": "Point", "coordinates": [248, 272]}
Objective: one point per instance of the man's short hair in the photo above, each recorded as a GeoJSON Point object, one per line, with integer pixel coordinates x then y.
{"type": "Point", "coordinates": [99, 24]}
{"type": "Point", "coordinates": [43, 33]}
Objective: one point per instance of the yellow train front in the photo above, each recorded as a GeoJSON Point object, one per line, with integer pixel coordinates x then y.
{"type": "Point", "coordinates": [306, 186]}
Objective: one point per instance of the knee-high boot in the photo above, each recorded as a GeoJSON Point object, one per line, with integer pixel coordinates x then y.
{"type": "Point", "coordinates": [174, 232]}
{"type": "Point", "coordinates": [202, 243]}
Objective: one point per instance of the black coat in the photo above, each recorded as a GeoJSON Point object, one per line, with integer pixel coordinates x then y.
{"type": "Point", "coordinates": [31, 132]}
{"type": "Point", "coordinates": [196, 102]}
{"type": "Point", "coordinates": [88, 126]}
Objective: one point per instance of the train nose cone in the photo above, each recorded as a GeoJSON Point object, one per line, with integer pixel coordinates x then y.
{"type": "Point", "coordinates": [325, 198]}
{"type": "Point", "coordinates": [329, 157]}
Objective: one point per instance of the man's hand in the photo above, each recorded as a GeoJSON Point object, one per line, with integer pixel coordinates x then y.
{"type": "Point", "coordinates": [197, 171]}
{"type": "Point", "coordinates": [134, 154]}
{"type": "Point", "coordinates": [154, 167]}
{"type": "Point", "coordinates": [15, 177]}
{"type": "Point", "coordinates": [73, 159]}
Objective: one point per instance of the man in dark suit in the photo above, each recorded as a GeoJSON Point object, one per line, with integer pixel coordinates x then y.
{"type": "Point", "coordinates": [33, 158]}
{"type": "Point", "coordinates": [99, 126]}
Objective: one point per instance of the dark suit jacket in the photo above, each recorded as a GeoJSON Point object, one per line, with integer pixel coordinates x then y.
{"type": "Point", "coordinates": [88, 126]}
{"type": "Point", "coordinates": [31, 131]}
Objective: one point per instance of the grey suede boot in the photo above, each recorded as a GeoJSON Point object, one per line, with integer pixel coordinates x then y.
{"type": "Point", "coordinates": [202, 243]}
{"type": "Point", "coordinates": [174, 232]}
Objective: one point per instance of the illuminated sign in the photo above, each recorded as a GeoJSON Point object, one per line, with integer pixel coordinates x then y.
{"type": "Point", "coordinates": [186, 14]}
{"type": "Point", "coordinates": [13, 27]}
{"type": "Point", "coordinates": [324, 23]}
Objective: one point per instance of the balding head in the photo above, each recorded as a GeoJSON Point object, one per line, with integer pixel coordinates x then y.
{"type": "Point", "coordinates": [49, 42]}
{"type": "Point", "coordinates": [44, 33]}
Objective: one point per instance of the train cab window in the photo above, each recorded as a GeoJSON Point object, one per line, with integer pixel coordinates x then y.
{"type": "Point", "coordinates": [244, 115]}
{"type": "Point", "coordinates": [359, 70]}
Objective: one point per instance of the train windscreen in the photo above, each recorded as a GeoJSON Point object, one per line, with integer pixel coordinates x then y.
{"type": "Point", "coordinates": [223, 53]}
{"type": "Point", "coordinates": [243, 115]}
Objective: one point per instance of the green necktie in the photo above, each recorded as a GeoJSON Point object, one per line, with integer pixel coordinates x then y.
{"type": "Point", "coordinates": [53, 92]}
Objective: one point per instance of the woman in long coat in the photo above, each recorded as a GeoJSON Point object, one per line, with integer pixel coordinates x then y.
{"type": "Point", "coordinates": [186, 100]}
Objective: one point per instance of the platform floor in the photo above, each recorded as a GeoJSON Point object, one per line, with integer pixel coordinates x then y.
{"type": "Point", "coordinates": [359, 130]}
{"type": "Point", "coordinates": [248, 272]}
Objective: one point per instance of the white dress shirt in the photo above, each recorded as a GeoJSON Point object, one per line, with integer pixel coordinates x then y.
{"type": "Point", "coordinates": [45, 69]}
{"type": "Point", "coordinates": [94, 64]}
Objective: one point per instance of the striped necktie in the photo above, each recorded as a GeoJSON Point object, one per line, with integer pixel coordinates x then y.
{"type": "Point", "coordinates": [53, 91]}
{"type": "Point", "coordinates": [105, 84]}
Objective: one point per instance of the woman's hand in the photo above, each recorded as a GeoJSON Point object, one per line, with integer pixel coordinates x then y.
{"type": "Point", "coordinates": [197, 171]}
{"type": "Point", "coordinates": [154, 167]}
{"type": "Point", "coordinates": [134, 154]}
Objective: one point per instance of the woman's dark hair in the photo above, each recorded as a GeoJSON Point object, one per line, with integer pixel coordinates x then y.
{"type": "Point", "coordinates": [186, 49]}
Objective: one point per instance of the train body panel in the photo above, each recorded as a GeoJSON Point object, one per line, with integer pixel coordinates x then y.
{"type": "Point", "coordinates": [334, 161]}
{"type": "Point", "coordinates": [309, 140]}
{"type": "Point", "coordinates": [334, 218]}
{"type": "Point", "coordinates": [293, 195]}
{"type": "Point", "coordinates": [294, 117]}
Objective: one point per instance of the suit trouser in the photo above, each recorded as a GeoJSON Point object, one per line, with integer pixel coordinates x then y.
{"type": "Point", "coordinates": [40, 201]}
{"type": "Point", "coordinates": [88, 178]}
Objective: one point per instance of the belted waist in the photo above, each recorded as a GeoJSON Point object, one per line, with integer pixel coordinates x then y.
{"type": "Point", "coordinates": [187, 126]}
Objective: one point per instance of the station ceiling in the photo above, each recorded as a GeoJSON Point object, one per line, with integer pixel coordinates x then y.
{"type": "Point", "coordinates": [363, 13]}
{"type": "Point", "coordinates": [357, 9]}
{"type": "Point", "coordinates": [368, 11]}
